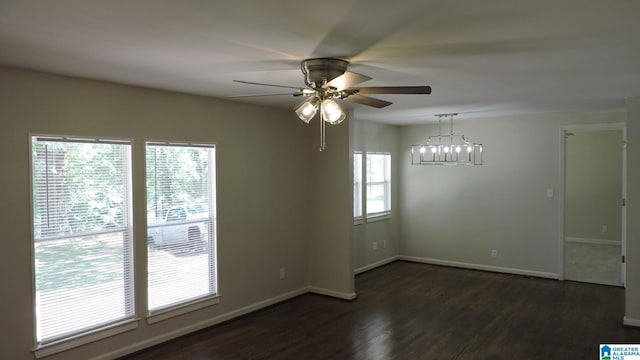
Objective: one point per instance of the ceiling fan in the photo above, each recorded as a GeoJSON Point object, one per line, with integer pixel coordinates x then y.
{"type": "Point", "coordinates": [327, 80]}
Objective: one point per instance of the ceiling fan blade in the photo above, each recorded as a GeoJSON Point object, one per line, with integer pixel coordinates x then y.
{"type": "Point", "coordinates": [369, 101]}
{"type": "Point", "coordinates": [260, 95]}
{"type": "Point", "coordinates": [394, 90]}
{"type": "Point", "coordinates": [280, 86]}
{"type": "Point", "coordinates": [347, 80]}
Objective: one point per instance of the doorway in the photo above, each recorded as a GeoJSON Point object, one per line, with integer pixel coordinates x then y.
{"type": "Point", "coordinates": [593, 239]}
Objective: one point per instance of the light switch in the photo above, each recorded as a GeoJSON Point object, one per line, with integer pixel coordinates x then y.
{"type": "Point", "coordinates": [550, 193]}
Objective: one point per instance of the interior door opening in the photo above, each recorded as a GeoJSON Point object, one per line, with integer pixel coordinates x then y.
{"type": "Point", "coordinates": [593, 240]}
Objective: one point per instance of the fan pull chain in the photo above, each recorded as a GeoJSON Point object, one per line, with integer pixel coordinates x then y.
{"type": "Point", "coordinates": [323, 145]}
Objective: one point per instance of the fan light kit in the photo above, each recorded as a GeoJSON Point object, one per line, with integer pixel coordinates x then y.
{"type": "Point", "coordinates": [450, 149]}
{"type": "Point", "coordinates": [328, 80]}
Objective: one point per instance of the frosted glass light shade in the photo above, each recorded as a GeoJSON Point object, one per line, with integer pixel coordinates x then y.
{"type": "Point", "coordinates": [332, 112]}
{"type": "Point", "coordinates": [307, 110]}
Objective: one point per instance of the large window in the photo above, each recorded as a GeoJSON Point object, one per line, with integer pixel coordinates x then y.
{"type": "Point", "coordinates": [82, 238]}
{"type": "Point", "coordinates": [180, 224]}
{"type": "Point", "coordinates": [357, 185]}
{"type": "Point", "coordinates": [378, 177]}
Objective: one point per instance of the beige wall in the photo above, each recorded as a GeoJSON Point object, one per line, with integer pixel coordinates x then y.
{"type": "Point", "coordinates": [374, 137]}
{"type": "Point", "coordinates": [266, 179]}
{"type": "Point", "coordinates": [593, 179]}
{"type": "Point", "coordinates": [458, 214]}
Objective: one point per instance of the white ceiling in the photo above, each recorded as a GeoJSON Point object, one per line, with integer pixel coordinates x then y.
{"type": "Point", "coordinates": [482, 58]}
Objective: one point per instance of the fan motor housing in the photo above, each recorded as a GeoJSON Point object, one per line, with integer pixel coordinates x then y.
{"type": "Point", "coordinates": [320, 71]}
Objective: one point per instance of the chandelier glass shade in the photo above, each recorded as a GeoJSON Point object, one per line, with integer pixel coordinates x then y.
{"type": "Point", "coordinates": [446, 149]}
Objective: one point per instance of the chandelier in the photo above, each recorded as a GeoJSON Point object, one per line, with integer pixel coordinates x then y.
{"type": "Point", "coordinates": [446, 149]}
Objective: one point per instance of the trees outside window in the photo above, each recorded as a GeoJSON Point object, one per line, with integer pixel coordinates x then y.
{"type": "Point", "coordinates": [82, 237]}
{"type": "Point", "coordinates": [180, 224]}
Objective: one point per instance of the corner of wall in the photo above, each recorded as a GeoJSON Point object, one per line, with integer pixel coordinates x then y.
{"type": "Point", "coordinates": [329, 241]}
{"type": "Point", "coordinates": [632, 293]}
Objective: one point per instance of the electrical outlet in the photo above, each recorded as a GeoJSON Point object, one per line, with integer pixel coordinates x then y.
{"type": "Point", "coordinates": [494, 253]}
{"type": "Point", "coordinates": [375, 245]}
{"type": "Point", "coordinates": [282, 273]}
{"type": "Point", "coordinates": [384, 244]}
{"type": "Point", "coordinates": [604, 228]}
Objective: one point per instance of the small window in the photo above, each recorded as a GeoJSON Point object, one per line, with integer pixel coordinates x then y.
{"type": "Point", "coordinates": [357, 185]}
{"type": "Point", "coordinates": [82, 237]}
{"type": "Point", "coordinates": [181, 225]}
{"type": "Point", "coordinates": [378, 176]}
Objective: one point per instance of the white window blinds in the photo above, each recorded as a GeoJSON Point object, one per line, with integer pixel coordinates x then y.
{"type": "Point", "coordinates": [82, 235]}
{"type": "Point", "coordinates": [357, 185]}
{"type": "Point", "coordinates": [180, 224]}
{"type": "Point", "coordinates": [378, 200]}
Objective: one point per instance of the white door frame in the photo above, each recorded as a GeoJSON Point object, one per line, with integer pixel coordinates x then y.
{"type": "Point", "coordinates": [561, 190]}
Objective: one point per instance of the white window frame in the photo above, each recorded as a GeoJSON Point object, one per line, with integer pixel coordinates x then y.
{"type": "Point", "coordinates": [129, 321]}
{"type": "Point", "coordinates": [386, 213]}
{"type": "Point", "coordinates": [213, 297]}
{"type": "Point", "coordinates": [358, 172]}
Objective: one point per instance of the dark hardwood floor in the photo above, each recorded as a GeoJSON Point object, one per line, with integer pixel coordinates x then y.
{"type": "Point", "coordinates": [416, 311]}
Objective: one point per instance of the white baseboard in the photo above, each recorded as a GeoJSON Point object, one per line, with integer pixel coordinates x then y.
{"type": "Point", "coordinates": [631, 322]}
{"type": "Point", "coordinates": [202, 324]}
{"type": "Point", "coordinates": [463, 265]}
{"type": "Point", "coordinates": [593, 241]}
{"type": "Point", "coordinates": [332, 293]}
{"type": "Point", "coordinates": [375, 265]}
